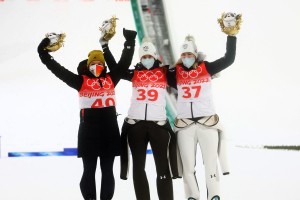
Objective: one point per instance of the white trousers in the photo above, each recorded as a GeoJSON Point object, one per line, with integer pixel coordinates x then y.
{"type": "Point", "coordinates": [208, 138]}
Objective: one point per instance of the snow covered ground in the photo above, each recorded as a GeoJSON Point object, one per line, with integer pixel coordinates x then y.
{"type": "Point", "coordinates": [255, 174]}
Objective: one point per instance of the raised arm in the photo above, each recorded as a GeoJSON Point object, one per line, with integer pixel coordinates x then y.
{"type": "Point", "coordinates": [128, 51]}
{"type": "Point", "coordinates": [126, 57]}
{"type": "Point", "coordinates": [224, 62]}
{"type": "Point", "coordinates": [109, 58]}
{"type": "Point", "coordinates": [71, 79]}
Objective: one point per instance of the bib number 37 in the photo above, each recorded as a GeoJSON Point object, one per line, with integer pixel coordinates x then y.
{"type": "Point", "coordinates": [191, 92]}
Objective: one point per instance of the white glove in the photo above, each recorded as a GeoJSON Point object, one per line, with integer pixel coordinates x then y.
{"type": "Point", "coordinates": [102, 41]}
{"type": "Point", "coordinates": [108, 30]}
{"type": "Point", "coordinates": [217, 75]}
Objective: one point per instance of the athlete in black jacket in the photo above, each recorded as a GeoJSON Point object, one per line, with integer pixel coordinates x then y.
{"type": "Point", "coordinates": [147, 123]}
{"type": "Point", "coordinates": [98, 134]}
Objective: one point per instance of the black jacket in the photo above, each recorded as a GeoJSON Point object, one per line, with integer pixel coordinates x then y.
{"type": "Point", "coordinates": [98, 130]}
{"type": "Point", "coordinates": [128, 75]}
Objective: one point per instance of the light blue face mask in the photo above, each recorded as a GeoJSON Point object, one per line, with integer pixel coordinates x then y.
{"type": "Point", "coordinates": [147, 62]}
{"type": "Point", "coordinates": [188, 62]}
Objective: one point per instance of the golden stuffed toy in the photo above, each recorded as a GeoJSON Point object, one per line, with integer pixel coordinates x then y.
{"type": "Point", "coordinates": [56, 41]}
{"type": "Point", "coordinates": [108, 28]}
{"type": "Point", "coordinates": [230, 23]}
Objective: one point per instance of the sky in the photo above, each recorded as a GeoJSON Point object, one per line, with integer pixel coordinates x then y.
{"type": "Point", "coordinates": [256, 97]}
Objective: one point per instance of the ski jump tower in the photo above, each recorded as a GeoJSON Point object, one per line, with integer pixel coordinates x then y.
{"type": "Point", "coordinates": [151, 21]}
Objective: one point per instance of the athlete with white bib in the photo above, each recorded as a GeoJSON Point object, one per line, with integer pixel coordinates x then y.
{"type": "Point", "coordinates": [147, 123]}
{"type": "Point", "coordinates": [197, 121]}
{"type": "Point", "coordinates": [98, 134]}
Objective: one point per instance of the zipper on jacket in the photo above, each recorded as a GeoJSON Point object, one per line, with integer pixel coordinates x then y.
{"type": "Point", "coordinates": [100, 82]}
{"type": "Point", "coordinates": [82, 115]}
{"type": "Point", "coordinates": [146, 111]}
{"type": "Point", "coordinates": [192, 110]}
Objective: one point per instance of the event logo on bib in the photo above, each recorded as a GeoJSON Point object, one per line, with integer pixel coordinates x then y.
{"type": "Point", "coordinates": [94, 83]}
{"type": "Point", "coordinates": [149, 75]}
{"type": "Point", "coordinates": [189, 74]}
{"type": "Point", "coordinates": [195, 76]}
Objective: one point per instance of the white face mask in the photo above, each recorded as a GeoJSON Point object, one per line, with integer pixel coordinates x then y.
{"type": "Point", "coordinates": [148, 62]}
{"type": "Point", "coordinates": [188, 62]}
{"type": "Point", "coordinates": [96, 70]}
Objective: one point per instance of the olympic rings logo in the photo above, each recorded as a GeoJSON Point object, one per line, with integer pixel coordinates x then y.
{"type": "Point", "coordinates": [94, 83]}
{"type": "Point", "coordinates": [106, 82]}
{"type": "Point", "coordinates": [189, 74]}
{"type": "Point", "coordinates": [149, 75]}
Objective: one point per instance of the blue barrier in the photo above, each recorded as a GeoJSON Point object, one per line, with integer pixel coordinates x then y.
{"type": "Point", "coordinates": [65, 152]}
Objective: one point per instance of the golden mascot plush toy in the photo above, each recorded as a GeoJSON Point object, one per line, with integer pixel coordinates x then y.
{"type": "Point", "coordinates": [230, 23]}
{"type": "Point", "coordinates": [108, 28]}
{"type": "Point", "coordinates": [56, 41]}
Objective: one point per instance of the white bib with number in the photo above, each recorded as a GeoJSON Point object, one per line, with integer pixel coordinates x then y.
{"type": "Point", "coordinates": [93, 95]}
{"type": "Point", "coordinates": [148, 100]}
{"type": "Point", "coordinates": [194, 92]}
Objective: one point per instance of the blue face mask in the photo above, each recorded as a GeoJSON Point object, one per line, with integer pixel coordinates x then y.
{"type": "Point", "coordinates": [188, 62]}
{"type": "Point", "coordinates": [147, 62]}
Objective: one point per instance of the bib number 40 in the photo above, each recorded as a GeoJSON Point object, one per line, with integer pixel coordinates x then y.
{"type": "Point", "coordinates": [98, 103]}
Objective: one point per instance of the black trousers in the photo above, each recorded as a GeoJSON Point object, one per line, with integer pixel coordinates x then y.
{"type": "Point", "coordinates": [138, 137]}
{"type": "Point", "coordinates": [88, 181]}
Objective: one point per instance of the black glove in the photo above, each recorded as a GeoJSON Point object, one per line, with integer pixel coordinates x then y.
{"type": "Point", "coordinates": [42, 46]}
{"type": "Point", "coordinates": [129, 34]}
{"type": "Point", "coordinates": [43, 52]}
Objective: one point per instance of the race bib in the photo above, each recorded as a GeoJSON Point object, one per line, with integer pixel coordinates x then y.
{"type": "Point", "coordinates": [95, 95]}
{"type": "Point", "coordinates": [149, 86]}
{"type": "Point", "coordinates": [193, 85]}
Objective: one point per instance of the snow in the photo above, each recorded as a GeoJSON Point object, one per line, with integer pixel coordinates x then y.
{"type": "Point", "coordinates": [255, 174]}
{"type": "Point", "coordinates": [257, 97]}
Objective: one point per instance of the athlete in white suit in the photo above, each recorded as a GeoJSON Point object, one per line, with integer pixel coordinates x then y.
{"type": "Point", "coordinates": [197, 121]}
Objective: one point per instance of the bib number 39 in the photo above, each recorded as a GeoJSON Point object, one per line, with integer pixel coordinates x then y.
{"type": "Point", "coordinates": [150, 95]}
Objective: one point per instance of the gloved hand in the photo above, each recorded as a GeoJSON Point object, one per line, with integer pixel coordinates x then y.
{"type": "Point", "coordinates": [102, 41]}
{"type": "Point", "coordinates": [56, 41]}
{"type": "Point", "coordinates": [129, 34]}
{"type": "Point", "coordinates": [217, 75]}
{"type": "Point", "coordinates": [43, 51]}
{"type": "Point", "coordinates": [42, 46]}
